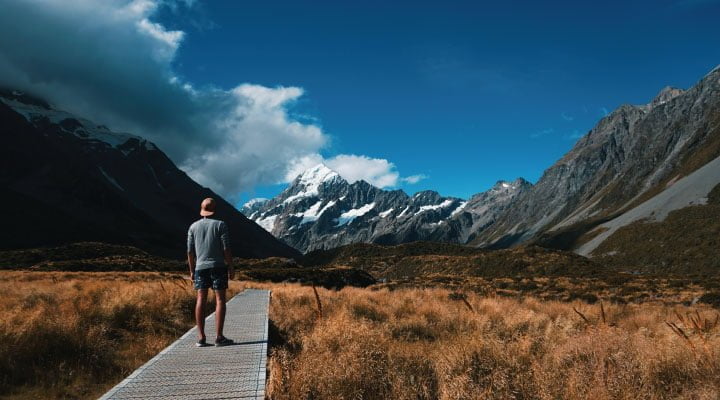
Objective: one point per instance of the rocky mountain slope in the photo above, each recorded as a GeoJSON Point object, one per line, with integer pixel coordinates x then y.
{"type": "Point", "coordinates": [639, 162]}
{"type": "Point", "coordinates": [321, 210]}
{"type": "Point", "coordinates": [65, 179]}
{"type": "Point", "coordinates": [684, 242]}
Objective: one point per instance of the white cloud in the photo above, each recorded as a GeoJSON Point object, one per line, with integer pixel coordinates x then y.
{"type": "Point", "coordinates": [259, 142]}
{"type": "Point", "coordinates": [263, 98]}
{"type": "Point", "coordinates": [376, 171]}
{"type": "Point", "coordinates": [413, 179]}
{"type": "Point", "coordinates": [567, 117]}
{"type": "Point", "coordinates": [171, 39]}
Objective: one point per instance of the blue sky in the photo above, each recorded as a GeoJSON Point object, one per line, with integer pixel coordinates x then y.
{"type": "Point", "coordinates": [463, 93]}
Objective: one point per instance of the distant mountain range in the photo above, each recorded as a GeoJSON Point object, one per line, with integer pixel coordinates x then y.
{"type": "Point", "coordinates": [321, 210]}
{"type": "Point", "coordinates": [638, 164]}
{"type": "Point", "coordinates": [65, 179]}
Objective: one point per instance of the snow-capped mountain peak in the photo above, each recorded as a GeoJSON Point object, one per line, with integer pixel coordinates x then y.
{"type": "Point", "coordinates": [252, 206]}
{"type": "Point", "coordinates": [35, 109]}
{"type": "Point", "coordinates": [308, 183]}
{"type": "Point", "coordinates": [320, 209]}
{"type": "Point", "coordinates": [255, 201]}
{"type": "Point", "coordinates": [316, 175]}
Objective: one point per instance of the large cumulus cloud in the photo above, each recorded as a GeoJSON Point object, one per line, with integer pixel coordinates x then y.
{"type": "Point", "coordinates": [109, 62]}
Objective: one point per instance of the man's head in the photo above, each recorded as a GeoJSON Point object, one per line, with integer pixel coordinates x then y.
{"type": "Point", "coordinates": [207, 207]}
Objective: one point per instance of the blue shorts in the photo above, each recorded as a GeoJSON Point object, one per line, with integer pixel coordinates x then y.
{"type": "Point", "coordinates": [216, 277]}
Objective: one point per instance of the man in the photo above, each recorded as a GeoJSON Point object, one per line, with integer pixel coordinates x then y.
{"type": "Point", "coordinates": [209, 259]}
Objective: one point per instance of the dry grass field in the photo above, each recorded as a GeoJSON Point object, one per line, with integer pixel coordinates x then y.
{"type": "Point", "coordinates": [439, 344]}
{"type": "Point", "coordinates": [76, 334]}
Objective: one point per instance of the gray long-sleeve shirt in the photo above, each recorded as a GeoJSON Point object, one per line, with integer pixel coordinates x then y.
{"type": "Point", "coordinates": [208, 238]}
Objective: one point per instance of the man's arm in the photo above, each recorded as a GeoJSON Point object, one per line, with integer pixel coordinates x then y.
{"type": "Point", "coordinates": [225, 238]}
{"type": "Point", "coordinates": [228, 262]}
{"type": "Point", "coordinates": [191, 264]}
{"type": "Point", "coordinates": [191, 253]}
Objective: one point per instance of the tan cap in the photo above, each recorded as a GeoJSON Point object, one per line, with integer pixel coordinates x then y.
{"type": "Point", "coordinates": [207, 207]}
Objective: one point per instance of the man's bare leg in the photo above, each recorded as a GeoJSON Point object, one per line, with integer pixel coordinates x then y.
{"type": "Point", "coordinates": [220, 311]}
{"type": "Point", "coordinates": [199, 312]}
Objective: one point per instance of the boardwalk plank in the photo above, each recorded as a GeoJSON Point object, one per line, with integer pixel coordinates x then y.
{"type": "Point", "coordinates": [183, 371]}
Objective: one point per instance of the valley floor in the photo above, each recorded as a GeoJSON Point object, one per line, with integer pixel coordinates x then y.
{"type": "Point", "coordinates": [76, 334]}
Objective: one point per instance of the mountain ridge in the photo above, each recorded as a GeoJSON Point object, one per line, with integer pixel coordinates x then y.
{"type": "Point", "coordinates": [631, 155]}
{"type": "Point", "coordinates": [320, 210]}
{"type": "Point", "coordinates": [69, 179]}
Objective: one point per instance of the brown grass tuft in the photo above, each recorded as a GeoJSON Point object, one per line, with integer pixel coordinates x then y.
{"type": "Point", "coordinates": [317, 302]}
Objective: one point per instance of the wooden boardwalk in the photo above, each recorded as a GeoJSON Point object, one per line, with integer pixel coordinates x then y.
{"type": "Point", "coordinates": [183, 371]}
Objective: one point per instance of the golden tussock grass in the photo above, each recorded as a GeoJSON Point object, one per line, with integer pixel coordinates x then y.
{"type": "Point", "coordinates": [439, 344]}
{"type": "Point", "coordinates": [75, 335]}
